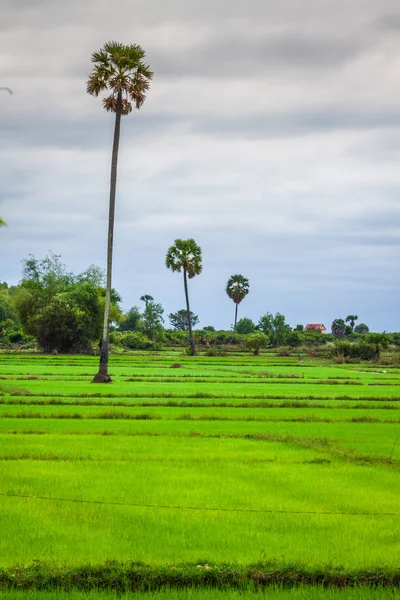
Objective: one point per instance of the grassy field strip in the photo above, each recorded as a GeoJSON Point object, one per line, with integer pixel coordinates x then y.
{"type": "Point", "coordinates": [368, 432]}
{"type": "Point", "coordinates": [238, 381]}
{"type": "Point", "coordinates": [37, 529]}
{"type": "Point", "coordinates": [376, 440]}
{"type": "Point", "coordinates": [270, 593]}
{"type": "Point", "coordinates": [284, 373]}
{"type": "Point", "coordinates": [190, 369]}
{"type": "Point", "coordinates": [235, 403]}
{"type": "Point", "coordinates": [200, 390]}
{"type": "Point", "coordinates": [207, 414]}
{"type": "Point", "coordinates": [178, 450]}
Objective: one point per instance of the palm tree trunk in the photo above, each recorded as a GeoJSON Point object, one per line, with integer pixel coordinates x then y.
{"type": "Point", "coordinates": [102, 376]}
{"type": "Point", "coordinates": [192, 345]}
{"type": "Point", "coordinates": [234, 326]}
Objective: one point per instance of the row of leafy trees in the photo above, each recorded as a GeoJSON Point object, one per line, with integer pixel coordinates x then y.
{"type": "Point", "coordinates": [59, 310]}
{"type": "Point", "coordinates": [65, 312]}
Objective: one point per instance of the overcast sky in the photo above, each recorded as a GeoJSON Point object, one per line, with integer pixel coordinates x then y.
{"type": "Point", "coordinates": [271, 135]}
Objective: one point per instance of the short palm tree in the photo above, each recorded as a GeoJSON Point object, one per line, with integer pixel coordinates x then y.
{"type": "Point", "coordinates": [352, 320]}
{"type": "Point", "coordinates": [185, 255]}
{"type": "Point", "coordinates": [237, 289]}
{"type": "Point", "coordinates": [121, 74]}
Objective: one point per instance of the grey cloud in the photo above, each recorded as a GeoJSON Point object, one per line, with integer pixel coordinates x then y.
{"type": "Point", "coordinates": [289, 124]}
{"type": "Point", "coordinates": [95, 132]}
{"type": "Point", "coordinates": [388, 22]}
{"type": "Point", "coordinates": [80, 133]}
{"type": "Point", "coordinates": [233, 55]}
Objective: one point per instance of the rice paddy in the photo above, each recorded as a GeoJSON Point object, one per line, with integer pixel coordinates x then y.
{"type": "Point", "coordinates": [223, 460]}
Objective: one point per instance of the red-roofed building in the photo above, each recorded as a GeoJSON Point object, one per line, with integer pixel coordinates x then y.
{"type": "Point", "coordinates": [315, 327]}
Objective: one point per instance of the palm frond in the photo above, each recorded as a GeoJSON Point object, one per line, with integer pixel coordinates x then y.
{"type": "Point", "coordinates": [100, 57]}
{"type": "Point", "coordinates": [110, 103]}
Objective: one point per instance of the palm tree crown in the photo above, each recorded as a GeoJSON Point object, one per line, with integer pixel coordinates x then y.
{"type": "Point", "coordinates": [2, 223]}
{"type": "Point", "coordinates": [184, 255]}
{"type": "Point", "coordinates": [121, 71]}
{"type": "Point", "coordinates": [352, 319]}
{"type": "Point", "coordinates": [237, 288]}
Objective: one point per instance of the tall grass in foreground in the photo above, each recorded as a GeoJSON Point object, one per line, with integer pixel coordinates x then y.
{"type": "Point", "coordinates": [125, 577]}
{"type": "Point", "coordinates": [274, 593]}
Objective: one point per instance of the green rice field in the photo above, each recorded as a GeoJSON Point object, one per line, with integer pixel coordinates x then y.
{"type": "Point", "coordinates": [235, 460]}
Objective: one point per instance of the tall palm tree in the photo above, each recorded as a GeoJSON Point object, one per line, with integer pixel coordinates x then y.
{"type": "Point", "coordinates": [352, 320]}
{"type": "Point", "coordinates": [237, 289]}
{"type": "Point", "coordinates": [121, 74]}
{"type": "Point", "coordinates": [185, 255]}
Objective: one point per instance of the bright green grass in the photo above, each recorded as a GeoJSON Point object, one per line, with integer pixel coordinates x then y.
{"type": "Point", "coordinates": [369, 438]}
{"type": "Point", "coordinates": [189, 473]}
{"type": "Point", "coordinates": [198, 402]}
{"type": "Point", "coordinates": [189, 388]}
{"type": "Point", "coordinates": [172, 413]}
{"type": "Point", "coordinates": [238, 462]}
{"type": "Point", "coordinates": [308, 593]}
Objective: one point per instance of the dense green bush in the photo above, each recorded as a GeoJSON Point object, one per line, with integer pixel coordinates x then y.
{"type": "Point", "coordinates": [133, 341]}
{"type": "Point", "coordinates": [360, 350]}
{"type": "Point", "coordinates": [245, 325]}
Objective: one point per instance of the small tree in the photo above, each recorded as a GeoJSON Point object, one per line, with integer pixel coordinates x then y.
{"type": "Point", "coordinates": [361, 328]}
{"type": "Point", "coordinates": [237, 289]}
{"type": "Point", "coordinates": [180, 320]}
{"type": "Point", "coordinates": [185, 256]}
{"type": "Point", "coordinates": [255, 341]}
{"type": "Point", "coordinates": [132, 321]}
{"type": "Point", "coordinates": [275, 327]}
{"type": "Point", "coordinates": [153, 320]}
{"type": "Point", "coordinates": [338, 328]}
{"type": "Point", "coordinates": [245, 326]}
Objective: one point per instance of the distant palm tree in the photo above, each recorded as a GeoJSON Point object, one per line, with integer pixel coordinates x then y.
{"type": "Point", "coordinates": [352, 319]}
{"type": "Point", "coordinates": [120, 72]}
{"type": "Point", "coordinates": [185, 255]}
{"type": "Point", "coordinates": [146, 299]}
{"type": "Point", "coordinates": [2, 223]}
{"type": "Point", "coordinates": [338, 328]}
{"type": "Point", "coordinates": [237, 289]}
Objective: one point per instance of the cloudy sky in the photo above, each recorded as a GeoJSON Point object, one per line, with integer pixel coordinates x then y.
{"type": "Point", "coordinates": [271, 135]}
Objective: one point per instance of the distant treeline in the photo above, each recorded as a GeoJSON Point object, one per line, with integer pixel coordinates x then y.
{"type": "Point", "coordinates": [54, 310]}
